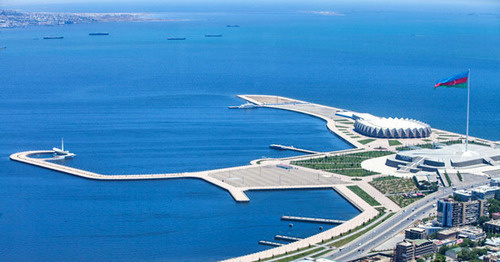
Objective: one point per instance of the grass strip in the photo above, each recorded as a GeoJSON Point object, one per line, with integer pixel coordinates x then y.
{"type": "Point", "coordinates": [447, 178]}
{"type": "Point", "coordinates": [361, 193]}
{"type": "Point", "coordinates": [294, 257]}
{"type": "Point", "coordinates": [394, 143]}
{"type": "Point", "coordinates": [346, 240]}
{"type": "Point", "coordinates": [322, 253]}
{"type": "Point", "coordinates": [366, 141]}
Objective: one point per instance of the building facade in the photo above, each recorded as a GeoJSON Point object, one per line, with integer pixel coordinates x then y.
{"type": "Point", "coordinates": [408, 250]}
{"type": "Point", "coordinates": [415, 233]}
{"type": "Point", "coordinates": [451, 213]}
{"type": "Point", "coordinates": [492, 226]}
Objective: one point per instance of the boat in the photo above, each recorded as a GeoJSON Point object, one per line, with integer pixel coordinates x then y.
{"type": "Point", "coordinates": [232, 26]}
{"type": "Point", "coordinates": [248, 105]}
{"type": "Point", "coordinates": [213, 35]}
{"type": "Point", "coordinates": [53, 37]}
{"type": "Point", "coordinates": [176, 38]}
{"type": "Point", "coordinates": [3, 47]}
{"type": "Point", "coordinates": [60, 153]}
{"type": "Point", "coordinates": [99, 33]}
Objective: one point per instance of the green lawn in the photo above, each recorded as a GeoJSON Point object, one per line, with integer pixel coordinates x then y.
{"type": "Point", "coordinates": [389, 185]}
{"type": "Point", "coordinates": [361, 193]}
{"type": "Point", "coordinates": [394, 143]}
{"type": "Point", "coordinates": [349, 164]}
{"type": "Point", "coordinates": [366, 141]}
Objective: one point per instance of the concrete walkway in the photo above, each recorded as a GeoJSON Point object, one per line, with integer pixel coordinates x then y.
{"type": "Point", "coordinates": [367, 213]}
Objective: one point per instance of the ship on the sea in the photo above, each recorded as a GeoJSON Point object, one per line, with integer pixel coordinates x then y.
{"type": "Point", "coordinates": [213, 35]}
{"type": "Point", "coordinates": [176, 38]}
{"type": "Point", "coordinates": [99, 33]}
{"type": "Point", "coordinates": [232, 26]}
{"type": "Point", "coordinates": [53, 37]}
{"type": "Point", "coordinates": [3, 47]}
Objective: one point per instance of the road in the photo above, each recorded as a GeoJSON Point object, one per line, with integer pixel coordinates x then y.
{"type": "Point", "coordinates": [397, 223]}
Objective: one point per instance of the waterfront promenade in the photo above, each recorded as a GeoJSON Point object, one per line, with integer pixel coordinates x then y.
{"type": "Point", "coordinates": [279, 174]}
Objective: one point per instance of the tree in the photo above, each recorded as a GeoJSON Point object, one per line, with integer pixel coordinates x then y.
{"type": "Point", "coordinates": [420, 259]}
{"type": "Point", "coordinates": [432, 236]}
{"type": "Point", "coordinates": [483, 219]}
{"type": "Point", "coordinates": [468, 243]}
{"type": "Point", "coordinates": [466, 255]}
{"type": "Point", "coordinates": [480, 251]}
{"type": "Point", "coordinates": [443, 250]}
{"type": "Point", "coordinates": [493, 206]}
{"type": "Point", "coordinates": [440, 258]}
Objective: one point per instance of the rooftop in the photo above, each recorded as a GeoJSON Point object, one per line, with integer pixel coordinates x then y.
{"type": "Point", "coordinates": [454, 153]}
{"type": "Point", "coordinates": [495, 222]}
{"type": "Point", "coordinates": [417, 229]}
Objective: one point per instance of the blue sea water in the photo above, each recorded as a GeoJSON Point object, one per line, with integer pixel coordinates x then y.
{"type": "Point", "coordinates": [133, 102]}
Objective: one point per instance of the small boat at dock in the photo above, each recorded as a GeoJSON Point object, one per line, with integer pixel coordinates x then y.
{"type": "Point", "coordinates": [60, 153]}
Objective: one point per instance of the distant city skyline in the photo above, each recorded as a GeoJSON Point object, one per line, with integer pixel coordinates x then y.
{"type": "Point", "coordinates": [38, 2]}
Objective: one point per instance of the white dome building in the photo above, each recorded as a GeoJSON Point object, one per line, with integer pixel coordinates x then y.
{"type": "Point", "coordinates": [391, 127]}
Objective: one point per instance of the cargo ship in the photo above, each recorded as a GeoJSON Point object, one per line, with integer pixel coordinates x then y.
{"type": "Point", "coordinates": [53, 37]}
{"type": "Point", "coordinates": [213, 35]}
{"type": "Point", "coordinates": [176, 38]}
{"type": "Point", "coordinates": [99, 33]}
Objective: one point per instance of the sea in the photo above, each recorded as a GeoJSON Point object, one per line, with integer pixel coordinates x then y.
{"type": "Point", "coordinates": [134, 102]}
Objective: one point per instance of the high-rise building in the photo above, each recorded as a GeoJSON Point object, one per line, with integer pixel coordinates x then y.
{"type": "Point", "coordinates": [451, 213]}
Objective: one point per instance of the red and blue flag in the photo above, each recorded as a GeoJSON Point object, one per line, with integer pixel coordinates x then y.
{"type": "Point", "coordinates": [458, 81]}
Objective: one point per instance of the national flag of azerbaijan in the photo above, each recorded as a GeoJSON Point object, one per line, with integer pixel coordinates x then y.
{"type": "Point", "coordinates": [458, 81]}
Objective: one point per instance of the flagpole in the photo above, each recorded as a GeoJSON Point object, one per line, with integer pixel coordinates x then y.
{"type": "Point", "coordinates": [468, 100]}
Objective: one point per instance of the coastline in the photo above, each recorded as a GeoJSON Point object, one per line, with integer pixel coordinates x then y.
{"type": "Point", "coordinates": [249, 177]}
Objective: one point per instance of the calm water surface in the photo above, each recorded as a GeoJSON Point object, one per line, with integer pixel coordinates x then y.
{"type": "Point", "coordinates": [133, 102]}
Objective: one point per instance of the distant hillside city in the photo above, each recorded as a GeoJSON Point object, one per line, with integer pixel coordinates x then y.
{"type": "Point", "coordinates": [13, 19]}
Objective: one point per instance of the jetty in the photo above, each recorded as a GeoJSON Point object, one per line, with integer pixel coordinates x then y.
{"type": "Point", "coordinates": [269, 243]}
{"type": "Point", "coordinates": [24, 157]}
{"type": "Point", "coordinates": [287, 238]}
{"type": "Point", "coordinates": [313, 220]}
{"type": "Point", "coordinates": [280, 174]}
{"type": "Point", "coordinates": [292, 148]}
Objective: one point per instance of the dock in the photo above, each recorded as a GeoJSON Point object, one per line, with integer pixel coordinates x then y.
{"type": "Point", "coordinates": [269, 243]}
{"type": "Point", "coordinates": [313, 220]}
{"type": "Point", "coordinates": [287, 238]}
{"type": "Point", "coordinates": [24, 157]}
{"type": "Point", "coordinates": [292, 148]}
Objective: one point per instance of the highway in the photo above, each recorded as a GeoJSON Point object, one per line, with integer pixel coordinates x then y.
{"type": "Point", "coordinates": [397, 223]}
